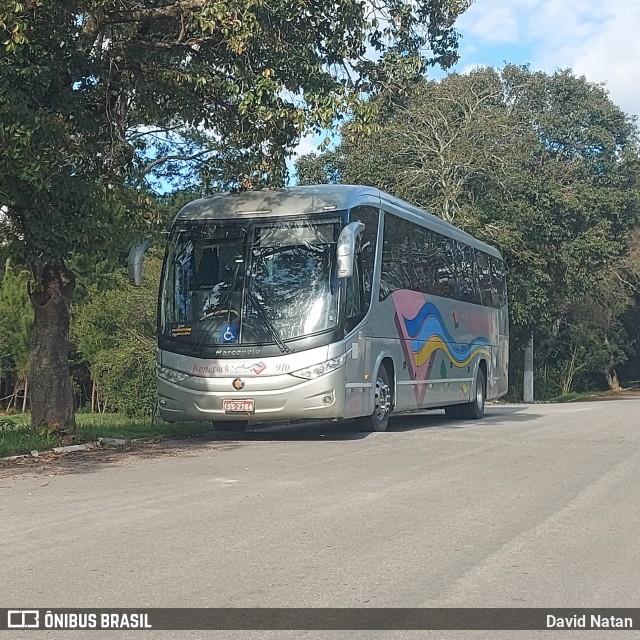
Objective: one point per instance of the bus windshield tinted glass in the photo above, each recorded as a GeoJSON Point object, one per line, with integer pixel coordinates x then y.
{"type": "Point", "coordinates": [250, 284]}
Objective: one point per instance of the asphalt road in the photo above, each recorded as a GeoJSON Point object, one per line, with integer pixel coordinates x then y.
{"type": "Point", "coordinates": [535, 506]}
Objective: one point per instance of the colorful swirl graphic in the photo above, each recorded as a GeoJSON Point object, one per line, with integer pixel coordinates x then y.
{"type": "Point", "coordinates": [428, 333]}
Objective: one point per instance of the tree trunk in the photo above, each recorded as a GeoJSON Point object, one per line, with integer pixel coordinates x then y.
{"type": "Point", "coordinates": [51, 392]}
{"type": "Point", "coordinates": [612, 379]}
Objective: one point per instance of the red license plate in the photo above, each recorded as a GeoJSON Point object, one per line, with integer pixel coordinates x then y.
{"type": "Point", "coordinates": [238, 406]}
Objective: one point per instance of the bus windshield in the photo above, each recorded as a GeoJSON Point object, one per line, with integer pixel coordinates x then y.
{"type": "Point", "coordinates": [230, 283]}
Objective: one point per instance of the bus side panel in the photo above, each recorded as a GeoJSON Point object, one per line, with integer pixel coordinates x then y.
{"type": "Point", "coordinates": [436, 345]}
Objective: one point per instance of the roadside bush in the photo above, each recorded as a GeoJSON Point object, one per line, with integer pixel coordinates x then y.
{"type": "Point", "coordinates": [115, 332]}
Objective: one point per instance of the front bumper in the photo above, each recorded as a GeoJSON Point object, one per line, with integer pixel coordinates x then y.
{"type": "Point", "coordinates": [276, 398]}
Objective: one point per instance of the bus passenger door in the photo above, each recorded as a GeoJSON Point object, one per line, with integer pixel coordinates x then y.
{"type": "Point", "coordinates": [355, 344]}
{"type": "Point", "coordinates": [356, 386]}
{"type": "Point", "coordinates": [358, 298]}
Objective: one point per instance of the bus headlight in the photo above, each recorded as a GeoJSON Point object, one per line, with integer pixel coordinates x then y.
{"type": "Point", "coordinates": [171, 375]}
{"type": "Point", "coordinates": [317, 370]}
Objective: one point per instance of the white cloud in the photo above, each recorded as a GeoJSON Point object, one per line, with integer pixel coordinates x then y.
{"type": "Point", "coordinates": [307, 144]}
{"type": "Point", "coordinates": [495, 25]}
{"type": "Point", "coordinates": [595, 39]}
{"type": "Point", "coordinates": [608, 52]}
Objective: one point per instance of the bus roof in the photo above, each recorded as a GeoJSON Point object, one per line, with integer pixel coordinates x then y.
{"type": "Point", "coordinates": [277, 202]}
{"type": "Point", "coordinates": [323, 198]}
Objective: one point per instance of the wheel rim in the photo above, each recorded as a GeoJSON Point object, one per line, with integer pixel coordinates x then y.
{"type": "Point", "coordinates": [479, 394]}
{"type": "Point", "coordinates": [383, 400]}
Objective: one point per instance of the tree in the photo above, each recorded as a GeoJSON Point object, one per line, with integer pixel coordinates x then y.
{"type": "Point", "coordinates": [437, 142]}
{"type": "Point", "coordinates": [544, 166]}
{"type": "Point", "coordinates": [95, 96]}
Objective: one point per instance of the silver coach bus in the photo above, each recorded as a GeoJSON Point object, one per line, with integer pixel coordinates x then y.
{"type": "Point", "coordinates": [325, 302]}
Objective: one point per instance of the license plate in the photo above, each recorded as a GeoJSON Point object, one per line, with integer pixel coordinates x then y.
{"type": "Point", "coordinates": [238, 406]}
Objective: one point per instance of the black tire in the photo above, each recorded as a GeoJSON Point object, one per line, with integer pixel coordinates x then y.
{"type": "Point", "coordinates": [452, 412]}
{"type": "Point", "coordinates": [379, 419]}
{"type": "Point", "coordinates": [474, 410]}
{"type": "Point", "coordinates": [230, 425]}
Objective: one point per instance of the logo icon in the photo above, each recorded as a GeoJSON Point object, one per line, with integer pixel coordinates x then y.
{"type": "Point", "coordinates": [23, 619]}
{"type": "Point", "coordinates": [238, 384]}
{"type": "Point", "coordinates": [256, 367]}
{"type": "Point", "coordinates": [259, 367]}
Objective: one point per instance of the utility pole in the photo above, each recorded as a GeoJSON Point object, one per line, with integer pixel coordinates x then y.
{"type": "Point", "coordinates": [528, 371]}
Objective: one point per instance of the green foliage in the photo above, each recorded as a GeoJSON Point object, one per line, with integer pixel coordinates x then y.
{"type": "Point", "coordinates": [98, 96]}
{"type": "Point", "coordinates": [117, 91]}
{"type": "Point", "coordinates": [17, 437]}
{"type": "Point", "coordinates": [571, 397]}
{"type": "Point", "coordinates": [115, 332]}
{"type": "Point", "coordinates": [547, 168]}
{"type": "Point", "coordinates": [6, 425]}
{"type": "Point", "coordinates": [94, 426]}
{"type": "Point", "coordinates": [16, 319]}
{"type": "Point", "coordinates": [24, 440]}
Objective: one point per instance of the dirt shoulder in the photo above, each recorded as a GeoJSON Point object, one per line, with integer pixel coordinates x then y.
{"type": "Point", "coordinates": [623, 394]}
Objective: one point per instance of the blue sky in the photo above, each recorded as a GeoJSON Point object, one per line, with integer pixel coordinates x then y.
{"type": "Point", "coordinates": [597, 39]}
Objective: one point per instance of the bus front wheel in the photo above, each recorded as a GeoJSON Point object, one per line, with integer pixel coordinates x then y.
{"type": "Point", "coordinates": [379, 419]}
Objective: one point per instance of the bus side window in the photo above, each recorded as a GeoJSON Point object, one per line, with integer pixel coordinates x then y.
{"type": "Point", "coordinates": [445, 268]}
{"type": "Point", "coordinates": [498, 282]}
{"type": "Point", "coordinates": [483, 276]}
{"type": "Point", "coordinates": [466, 286]}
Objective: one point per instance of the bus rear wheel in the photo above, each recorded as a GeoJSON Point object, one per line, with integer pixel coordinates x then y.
{"type": "Point", "coordinates": [383, 395]}
{"type": "Point", "coordinates": [474, 410]}
{"type": "Point", "coordinates": [230, 425]}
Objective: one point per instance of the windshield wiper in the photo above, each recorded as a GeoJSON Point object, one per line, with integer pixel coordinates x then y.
{"type": "Point", "coordinates": [265, 318]}
{"type": "Point", "coordinates": [203, 334]}
{"type": "Point", "coordinates": [232, 289]}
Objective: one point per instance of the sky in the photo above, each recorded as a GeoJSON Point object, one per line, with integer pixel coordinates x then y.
{"type": "Point", "coordinates": [597, 39]}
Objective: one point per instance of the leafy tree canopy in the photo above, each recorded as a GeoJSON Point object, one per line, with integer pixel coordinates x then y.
{"type": "Point", "coordinates": [96, 95]}
{"type": "Point", "coordinates": [544, 166]}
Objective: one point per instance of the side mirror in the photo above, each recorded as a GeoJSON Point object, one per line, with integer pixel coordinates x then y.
{"type": "Point", "coordinates": [346, 249]}
{"type": "Point", "coordinates": [135, 261]}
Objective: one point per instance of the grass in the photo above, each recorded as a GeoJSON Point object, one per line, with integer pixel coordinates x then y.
{"type": "Point", "coordinates": [17, 437]}
{"type": "Point", "coordinates": [572, 397]}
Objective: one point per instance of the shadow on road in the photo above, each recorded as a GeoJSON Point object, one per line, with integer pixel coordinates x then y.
{"type": "Point", "coordinates": [344, 430]}
{"type": "Point", "coordinates": [349, 430]}
{"type": "Point", "coordinates": [494, 415]}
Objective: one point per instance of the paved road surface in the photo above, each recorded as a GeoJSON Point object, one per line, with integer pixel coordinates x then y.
{"type": "Point", "coordinates": [535, 506]}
